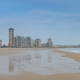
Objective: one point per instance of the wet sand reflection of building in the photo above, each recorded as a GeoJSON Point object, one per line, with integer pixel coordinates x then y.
{"type": "Point", "coordinates": [37, 55]}
{"type": "Point", "coordinates": [17, 60]}
{"type": "Point", "coordinates": [28, 57]}
{"type": "Point", "coordinates": [49, 57]}
{"type": "Point", "coordinates": [11, 65]}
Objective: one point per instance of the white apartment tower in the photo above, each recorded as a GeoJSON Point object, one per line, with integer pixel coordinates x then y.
{"type": "Point", "coordinates": [11, 36]}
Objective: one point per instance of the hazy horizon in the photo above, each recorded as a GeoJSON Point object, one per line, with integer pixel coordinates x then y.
{"type": "Point", "coordinates": [58, 20]}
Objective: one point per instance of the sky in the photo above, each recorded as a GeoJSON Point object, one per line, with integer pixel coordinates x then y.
{"type": "Point", "coordinates": [43, 19]}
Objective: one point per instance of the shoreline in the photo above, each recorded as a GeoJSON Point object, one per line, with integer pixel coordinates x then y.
{"type": "Point", "coordinates": [34, 76]}
{"type": "Point", "coordinates": [72, 55]}
{"type": "Point", "coordinates": [14, 51]}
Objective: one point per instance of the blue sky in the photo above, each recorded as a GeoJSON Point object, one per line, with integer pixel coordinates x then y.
{"type": "Point", "coordinates": [55, 19]}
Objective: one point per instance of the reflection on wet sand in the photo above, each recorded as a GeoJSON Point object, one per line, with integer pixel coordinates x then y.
{"type": "Point", "coordinates": [37, 55]}
{"type": "Point", "coordinates": [11, 65]}
{"type": "Point", "coordinates": [49, 57]}
{"type": "Point", "coordinates": [42, 62]}
{"type": "Point", "coordinates": [13, 60]}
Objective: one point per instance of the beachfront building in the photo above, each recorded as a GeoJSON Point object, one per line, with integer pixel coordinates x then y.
{"type": "Point", "coordinates": [38, 43]}
{"type": "Point", "coordinates": [28, 41]}
{"type": "Point", "coordinates": [59, 46]}
{"type": "Point", "coordinates": [15, 42]}
{"type": "Point", "coordinates": [71, 46]}
{"type": "Point", "coordinates": [18, 41]}
{"type": "Point", "coordinates": [11, 36]}
{"type": "Point", "coordinates": [32, 42]}
{"type": "Point", "coordinates": [22, 42]}
{"type": "Point", "coordinates": [25, 42]}
{"type": "Point", "coordinates": [43, 45]}
{"type": "Point", "coordinates": [49, 43]}
{"type": "Point", "coordinates": [0, 43]}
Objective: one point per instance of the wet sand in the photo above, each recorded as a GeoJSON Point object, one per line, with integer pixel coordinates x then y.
{"type": "Point", "coordinates": [14, 51]}
{"type": "Point", "coordinates": [33, 76]}
{"type": "Point", "coordinates": [72, 55]}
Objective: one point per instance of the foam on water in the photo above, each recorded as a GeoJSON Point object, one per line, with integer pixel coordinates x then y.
{"type": "Point", "coordinates": [75, 50]}
{"type": "Point", "coordinates": [43, 62]}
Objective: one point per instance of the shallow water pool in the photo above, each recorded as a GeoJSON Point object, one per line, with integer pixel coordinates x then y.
{"type": "Point", "coordinates": [43, 62]}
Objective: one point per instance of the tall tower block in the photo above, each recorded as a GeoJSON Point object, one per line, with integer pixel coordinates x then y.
{"type": "Point", "coordinates": [11, 36]}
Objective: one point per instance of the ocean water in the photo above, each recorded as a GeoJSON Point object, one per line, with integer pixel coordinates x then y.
{"type": "Point", "coordinates": [75, 50]}
{"type": "Point", "coordinates": [43, 62]}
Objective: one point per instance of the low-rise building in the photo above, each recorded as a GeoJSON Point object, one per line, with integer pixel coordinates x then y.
{"type": "Point", "coordinates": [43, 45]}
{"type": "Point", "coordinates": [71, 46]}
{"type": "Point", "coordinates": [59, 46]}
{"type": "Point", "coordinates": [47, 45]}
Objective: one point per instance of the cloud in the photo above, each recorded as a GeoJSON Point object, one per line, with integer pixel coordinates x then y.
{"type": "Point", "coordinates": [41, 18]}
{"type": "Point", "coordinates": [43, 24]}
{"type": "Point", "coordinates": [41, 4]}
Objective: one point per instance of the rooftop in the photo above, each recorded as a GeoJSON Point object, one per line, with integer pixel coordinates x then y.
{"type": "Point", "coordinates": [11, 29]}
{"type": "Point", "coordinates": [37, 39]}
{"type": "Point", "coordinates": [28, 37]}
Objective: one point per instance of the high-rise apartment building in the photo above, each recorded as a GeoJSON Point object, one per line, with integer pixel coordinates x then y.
{"type": "Point", "coordinates": [18, 41]}
{"type": "Point", "coordinates": [11, 36]}
{"type": "Point", "coordinates": [25, 42]}
{"type": "Point", "coordinates": [22, 42]}
{"type": "Point", "coordinates": [38, 43]}
{"type": "Point", "coordinates": [49, 43]}
{"type": "Point", "coordinates": [0, 43]}
{"type": "Point", "coordinates": [28, 41]}
{"type": "Point", "coordinates": [15, 42]}
{"type": "Point", "coordinates": [32, 42]}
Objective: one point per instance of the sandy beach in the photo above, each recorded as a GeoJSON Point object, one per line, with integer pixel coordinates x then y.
{"type": "Point", "coordinates": [33, 76]}
{"type": "Point", "coordinates": [14, 51]}
{"type": "Point", "coordinates": [72, 55]}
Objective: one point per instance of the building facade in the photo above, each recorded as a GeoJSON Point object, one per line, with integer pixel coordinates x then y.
{"type": "Point", "coordinates": [22, 42]}
{"type": "Point", "coordinates": [38, 43]}
{"type": "Point", "coordinates": [18, 41]}
{"type": "Point", "coordinates": [32, 42]}
{"type": "Point", "coordinates": [49, 43]}
{"type": "Point", "coordinates": [43, 45]}
{"type": "Point", "coordinates": [25, 42]}
{"type": "Point", "coordinates": [11, 36]}
{"type": "Point", "coordinates": [0, 43]}
{"type": "Point", "coordinates": [28, 41]}
{"type": "Point", "coordinates": [15, 42]}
